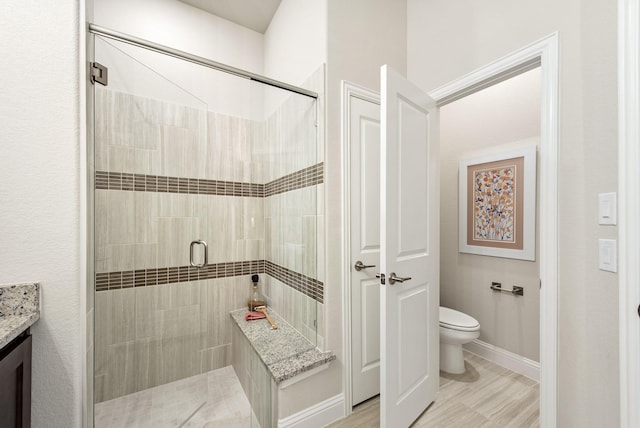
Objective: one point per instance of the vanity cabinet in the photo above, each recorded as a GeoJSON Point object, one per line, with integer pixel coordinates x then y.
{"type": "Point", "coordinates": [15, 383]}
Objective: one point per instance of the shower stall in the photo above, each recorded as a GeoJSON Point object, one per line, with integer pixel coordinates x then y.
{"type": "Point", "coordinates": [204, 175]}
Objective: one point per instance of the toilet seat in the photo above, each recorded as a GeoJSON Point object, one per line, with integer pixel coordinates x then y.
{"type": "Point", "coordinates": [455, 320]}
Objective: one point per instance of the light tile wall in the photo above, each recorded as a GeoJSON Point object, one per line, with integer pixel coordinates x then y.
{"type": "Point", "coordinates": [136, 230]}
{"type": "Point", "coordinates": [253, 376]}
{"type": "Point", "coordinates": [147, 336]}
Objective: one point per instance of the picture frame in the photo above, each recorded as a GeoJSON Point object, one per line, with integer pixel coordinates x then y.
{"type": "Point", "coordinates": [497, 204]}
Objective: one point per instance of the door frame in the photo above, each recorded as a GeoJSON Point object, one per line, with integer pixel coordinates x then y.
{"type": "Point", "coordinates": [629, 209]}
{"type": "Point", "coordinates": [349, 91]}
{"type": "Point", "coordinates": [544, 53]}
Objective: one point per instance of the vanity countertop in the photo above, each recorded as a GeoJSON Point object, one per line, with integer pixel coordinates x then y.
{"type": "Point", "coordinates": [19, 309]}
{"type": "Point", "coordinates": [284, 351]}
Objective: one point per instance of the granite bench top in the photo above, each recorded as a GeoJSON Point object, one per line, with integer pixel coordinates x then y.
{"type": "Point", "coordinates": [285, 351]}
{"type": "Point", "coordinates": [19, 309]}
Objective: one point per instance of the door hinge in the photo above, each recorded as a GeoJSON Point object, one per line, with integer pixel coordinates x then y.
{"type": "Point", "coordinates": [381, 276]}
{"type": "Point", "coordinates": [99, 73]}
{"type": "Point", "coordinates": [639, 310]}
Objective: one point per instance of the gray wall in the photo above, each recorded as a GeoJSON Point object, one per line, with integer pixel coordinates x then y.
{"type": "Point", "coordinates": [449, 39]}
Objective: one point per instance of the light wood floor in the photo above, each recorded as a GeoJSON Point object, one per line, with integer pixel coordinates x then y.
{"type": "Point", "coordinates": [486, 395]}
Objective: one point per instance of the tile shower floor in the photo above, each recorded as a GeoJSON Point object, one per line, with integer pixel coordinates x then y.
{"type": "Point", "coordinates": [213, 399]}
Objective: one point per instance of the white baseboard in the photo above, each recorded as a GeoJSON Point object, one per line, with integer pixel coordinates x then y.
{"type": "Point", "coordinates": [316, 416]}
{"type": "Point", "coordinates": [506, 359]}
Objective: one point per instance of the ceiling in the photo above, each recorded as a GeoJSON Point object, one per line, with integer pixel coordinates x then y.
{"type": "Point", "coordinates": [253, 14]}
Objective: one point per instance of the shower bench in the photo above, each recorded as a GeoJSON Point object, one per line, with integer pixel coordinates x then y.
{"type": "Point", "coordinates": [268, 361]}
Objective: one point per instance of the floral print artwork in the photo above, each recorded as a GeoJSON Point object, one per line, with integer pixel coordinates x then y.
{"type": "Point", "coordinates": [494, 204]}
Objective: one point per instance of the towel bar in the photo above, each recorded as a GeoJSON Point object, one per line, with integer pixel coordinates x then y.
{"type": "Point", "coordinates": [517, 291]}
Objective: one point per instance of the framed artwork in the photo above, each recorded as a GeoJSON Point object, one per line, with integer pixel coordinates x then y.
{"type": "Point", "coordinates": [498, 205]}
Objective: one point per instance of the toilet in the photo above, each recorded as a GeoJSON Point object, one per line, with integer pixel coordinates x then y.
{"type": "Point", "coordinates": [456, 329]}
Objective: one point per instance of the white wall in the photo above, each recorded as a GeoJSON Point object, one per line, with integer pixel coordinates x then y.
{"type": "Point", "coordinates": [448, 39]}
{"type": "Point", "coordinates": [294, 46]}
{"type": "Point", "coordinates": [497, 119]}
{"type": "Point", "coordinates": [180, 26]}
{"type": "Point", "coordinates": [39, 166]}
{"type": "Point", "coordinates": [295, 42]}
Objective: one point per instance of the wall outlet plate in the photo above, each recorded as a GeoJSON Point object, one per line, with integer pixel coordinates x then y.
{"type": "Point", "coordinates": [607, 255]}
{"type": "Point", "coordinates": [607, 208]}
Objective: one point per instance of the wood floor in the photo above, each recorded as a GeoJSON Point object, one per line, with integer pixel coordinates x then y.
{"type": "Point", "coordinates": [486, 395]}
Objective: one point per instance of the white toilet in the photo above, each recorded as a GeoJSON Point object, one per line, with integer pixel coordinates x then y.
{"type": "Point", "coordinates": [456, 329]}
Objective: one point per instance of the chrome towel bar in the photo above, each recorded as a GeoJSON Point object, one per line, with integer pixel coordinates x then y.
{"type": "Point", "coordinates": [517, 291]}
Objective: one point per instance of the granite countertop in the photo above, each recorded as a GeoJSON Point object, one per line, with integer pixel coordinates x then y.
{"type": "Point", "coordinates": [19, 309]}
{"type": "Point", "coordinates": [284, 351]}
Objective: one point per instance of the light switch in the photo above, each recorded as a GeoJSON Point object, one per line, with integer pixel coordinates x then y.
{"type": "Point", "coordinates": [607, 255]}
{"type": "Point", "coordinates": [607, 208]}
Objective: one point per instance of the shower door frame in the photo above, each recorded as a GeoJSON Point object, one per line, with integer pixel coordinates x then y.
{"type": "Point", "coordinates": [87, 166]}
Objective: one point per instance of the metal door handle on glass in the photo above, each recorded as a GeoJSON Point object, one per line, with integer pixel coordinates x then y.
{"type": "Point", "coordinates": [206, 253]}
{"type": "Point", "coordinates": [359, 266]}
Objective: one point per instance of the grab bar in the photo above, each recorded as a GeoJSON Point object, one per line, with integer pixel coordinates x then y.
{"type": "Point", "coordinates": [206, 253]}
{"type": "Point", "coordinates": [517, 291]}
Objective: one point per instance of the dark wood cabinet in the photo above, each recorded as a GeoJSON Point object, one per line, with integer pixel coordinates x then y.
{"type": "Point", "coordinates": [15, 383]}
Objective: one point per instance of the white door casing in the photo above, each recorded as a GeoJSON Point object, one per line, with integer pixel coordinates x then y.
{"type": "Point", "coordinates": [364, 138]}
{"type": "Point", "coordinates": [629, 209]}
{"type": "Point", "coordinates": [409, 247]}
{"type": "Point", "coordinates": [546, 52]}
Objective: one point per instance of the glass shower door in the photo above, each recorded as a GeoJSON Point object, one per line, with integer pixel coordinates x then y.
{"type": "Point", "coordinates": [150, 144]}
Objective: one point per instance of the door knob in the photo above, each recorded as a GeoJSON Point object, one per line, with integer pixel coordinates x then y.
{"type": "Point", "coordinates": [359, 266]}
{"type": "Point", "coordinates": [393, 278]}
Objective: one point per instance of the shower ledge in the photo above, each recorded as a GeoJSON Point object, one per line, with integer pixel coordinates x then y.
{"type": "Point", "coordinates": [19, 309]}
{"type": "Point", "coordinates": [285, 352]}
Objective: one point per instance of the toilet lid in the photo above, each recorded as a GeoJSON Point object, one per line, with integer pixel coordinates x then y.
{"type": "Point", "coordinates": [457, 320]}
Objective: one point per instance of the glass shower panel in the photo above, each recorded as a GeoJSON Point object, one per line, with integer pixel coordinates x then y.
{"type": "Point", "coordinates": [150, 151]}
{"type": "Point", "coordinates": [285, 152]}
{"type": "Point", "coordinates": [187, 155]}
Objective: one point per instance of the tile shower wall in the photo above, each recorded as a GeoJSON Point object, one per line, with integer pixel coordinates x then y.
{"type": "Point", "coordinates": [253, 376]}
{"type": "Point", "coordinates": [147, 336]}
{"type": "Point", "coordinates": [168, 175]}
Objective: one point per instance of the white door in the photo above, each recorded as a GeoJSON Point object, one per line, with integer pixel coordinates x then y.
{"type": "Point", "coordinates": [409, 248]}
{"type": "Point", "coordinates": [364, 139]}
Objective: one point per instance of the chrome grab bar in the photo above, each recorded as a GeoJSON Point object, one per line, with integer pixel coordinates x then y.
{"type": "Point", "coordinates": [517, 291]}
{"type": "Point", "coordinates": [206, 253]}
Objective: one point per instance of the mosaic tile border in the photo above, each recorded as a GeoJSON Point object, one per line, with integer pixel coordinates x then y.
{"type": "Point", "coordinates": [305, 177]}
{"type": "Point", "coordinates": [310, 176]}
{"type": "Point", "coordinates": [311, 287]}
{"type": "Point", "coordinates": [307, 285]}
{"type": "Point", "coordinates": [163, 184]}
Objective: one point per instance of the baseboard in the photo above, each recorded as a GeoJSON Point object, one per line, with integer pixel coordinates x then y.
{"type": "Point", "coordinates": [506, 359]}
{"type": "Point", "coordinates": [316, 416]}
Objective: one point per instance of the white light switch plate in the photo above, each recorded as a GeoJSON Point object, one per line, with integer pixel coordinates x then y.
{"type": "Point", "coordinates": [607, 208]}
{"type": "Point", "coordinates": [607, 255]}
